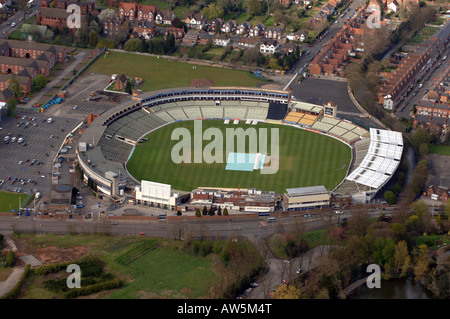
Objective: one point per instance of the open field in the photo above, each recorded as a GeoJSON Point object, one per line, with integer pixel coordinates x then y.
{"type": "Point", "coordinates": [306, 159]}
{"type": "Point", "coordinates": [167, 274]}
{"type": "Point", "coordinates": [163, 73]}
{"type": "Point", "coordinates": [162, 270]}
{"type": "Point", "coordinates": [439, 150]}
{"type": "Point", "coordinates": [10, 201]}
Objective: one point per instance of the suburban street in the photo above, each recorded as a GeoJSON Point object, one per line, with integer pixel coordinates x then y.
{"type": "Point", "coordinates": [18, 19]}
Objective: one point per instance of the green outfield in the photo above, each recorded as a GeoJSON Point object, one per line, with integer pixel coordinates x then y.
{"type": "Point", "coordinates": [305, 159]}
{"type": "Point", "coordinates": [162, 73]}
{"type": "Point", "coordinates": [10, 201]}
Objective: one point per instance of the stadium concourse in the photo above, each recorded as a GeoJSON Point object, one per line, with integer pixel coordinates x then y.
{"type": "Point", "coordinates": [109, 141]}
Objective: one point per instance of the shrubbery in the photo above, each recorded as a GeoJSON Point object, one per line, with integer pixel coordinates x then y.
{"type": "Point", "coordinates": [10, 259]}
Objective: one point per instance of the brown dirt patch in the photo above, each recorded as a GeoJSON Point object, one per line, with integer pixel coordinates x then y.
{"type": "Point", "coordinates": [48, 255]}
{"type": "Point", "coordinates": [271, 87]}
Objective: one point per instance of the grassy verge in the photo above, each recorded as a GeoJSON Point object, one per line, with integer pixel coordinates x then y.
{"type": "Point", "coordinates": [135, 267]}
{"type": "Point", "coordinates": [439, 149]}
{"type": "Point", "coordinates": [163, 73]}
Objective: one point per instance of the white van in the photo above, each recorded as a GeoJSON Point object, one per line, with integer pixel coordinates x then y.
{"type": "Point", "coordinates": [50, 120]}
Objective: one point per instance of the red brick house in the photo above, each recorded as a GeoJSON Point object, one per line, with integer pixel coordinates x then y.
{"type": "Point", "coordinates": [442, 192]}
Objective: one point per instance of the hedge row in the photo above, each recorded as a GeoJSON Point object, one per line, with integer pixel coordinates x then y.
{"type": "Point", "coordinates": [84, 291]}
{"type": "Point", "coordinates": [16, 289]}
{"type": "Point", "coordinates": [51, 268]}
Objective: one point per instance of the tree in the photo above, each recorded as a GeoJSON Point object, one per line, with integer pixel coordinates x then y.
{"type": "Point", "coordinates": [197, 213]}
{"type": "Point", "coordinates": [225, 212]}
{"type": "Point", "coordinates": [93, 39]}
{"type": "Point", "coordinates": [421, 264]}
{"type": "Point", "coordinates": [447, 208]}
{"type": "Point", "coordinates": [286, 292]}
{"type": "Point", "coordinates": [133, 45]}
{"type": "Point", "coordinates": [128, 88]}
{"type": "Point", "coordinates": [11, 104]}
{"type": "Point", "coordinates": [273, 64]}
{"type": "Point", "coordinates": [390, 197]}
{"type": "Point", "coordinates": [106, 14]}
{"type": "Point", "coordinates": [212, 11]}
{"type": "Point", "coordinates": [38, 82]}
{"type": "Point", "coordinates": [254, 7]}
{"type": "Point", "coordinates": [219, 211]}
{"type": "Point", "coordinates": [400, 257]}
{"type": "Point", "coordinates": [205, 211]}
{"type": "Point", "coordinates": [15, 87]}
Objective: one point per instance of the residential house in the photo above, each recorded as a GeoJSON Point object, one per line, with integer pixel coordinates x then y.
{"type": "Point", "coordinates": [165, 17]}
{"type": "Point", "coordinates": [229, 26]}
{"type": "Point", "coordinates": [146, 12]}
{"type": "Point", "coordinates": [215, 25]}
{"type": "Point", "coordinates": [85, 6]}
{"type": "Point", "coordinates": [287, 48]}
{"type": "Point", "coordinates": [443, 193]}
{"type": "Point", "coordinates": [195, 36]}
{"type": "Point", "coordinates": [128, 10]}
{"type": "Point", "coordinates": [298, 36]}
{"type": "Point", "coordinates": [24, 81]}
{"type": "Point", "coordinates": [194, 20]}
{"type": "Point", "coordinates": [221, 40]}
{"type": "Point", "coordinates": [257, 30]}
{"type": "Point", "coordinates": [144, 29]}
{"type": "Point", "coordinates": [112, 25]}
{"type": "Point", "coordinates": [248, 43]}
{"type": "Point", "coordinates": [243, 28]}
{"type": "Point", "coordinates": [269, 46]}
{"type": "Point", "coordinates": [178, 33]}
{"type": "Point", "coordinates": [403, 79]}
{"type": "Point", "coordinates": [273, 33]}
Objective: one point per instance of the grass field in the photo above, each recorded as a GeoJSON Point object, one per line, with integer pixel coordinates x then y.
{"type": "Point", "coordinates": [152, 268]}
{"type": "Point", "coordinates": [306, 159]}
{"type": "Point", "coordinates": [163, 73]}
{"type": "Point", "coordinates": [439, 149]}
{"type": "Point", "coordinates": [10, 201]}
{"type": "Point", "coordinates": [167, 274]}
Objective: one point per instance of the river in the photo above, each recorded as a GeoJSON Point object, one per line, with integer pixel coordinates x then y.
{"type": "Point", "coordinates": [392, 289]}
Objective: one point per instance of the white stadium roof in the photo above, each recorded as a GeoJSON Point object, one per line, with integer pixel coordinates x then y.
{"type": "Point", "coordinates": [381, 161]}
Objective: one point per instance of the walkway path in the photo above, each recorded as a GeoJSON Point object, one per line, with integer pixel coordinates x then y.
{"type": "Point", "coordinates": [68, 70]}
{"type": "Point", "coordinates": [6, 286]}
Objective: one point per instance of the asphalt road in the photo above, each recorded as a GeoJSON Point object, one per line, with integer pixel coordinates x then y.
{"type": "Point", "coordinates": [18, 19]}
{"type": "Point", "coordinates": [405, 108]}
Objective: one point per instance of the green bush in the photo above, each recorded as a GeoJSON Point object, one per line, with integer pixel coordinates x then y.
{"type": "Point", "coordinates": [51, 268]}
{"type": "Point", "coordinates": [84, 291]}
{"type": "Point", "coordinates": [10, 259]}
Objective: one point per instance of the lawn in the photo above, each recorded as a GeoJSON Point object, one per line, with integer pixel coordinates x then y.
{"type": "Point", "coordinates": [152, 268]}
{"type": "Point", "coordinates": [306, 159]}
{"type": "Point", "coordinates": [164, 273]}
{"type": "Point", "coordinates": [439, 149]}
{"type": "Point", "coordinates": [160, 73]}
{"type": "Point", "coordinates": [10, 201]}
